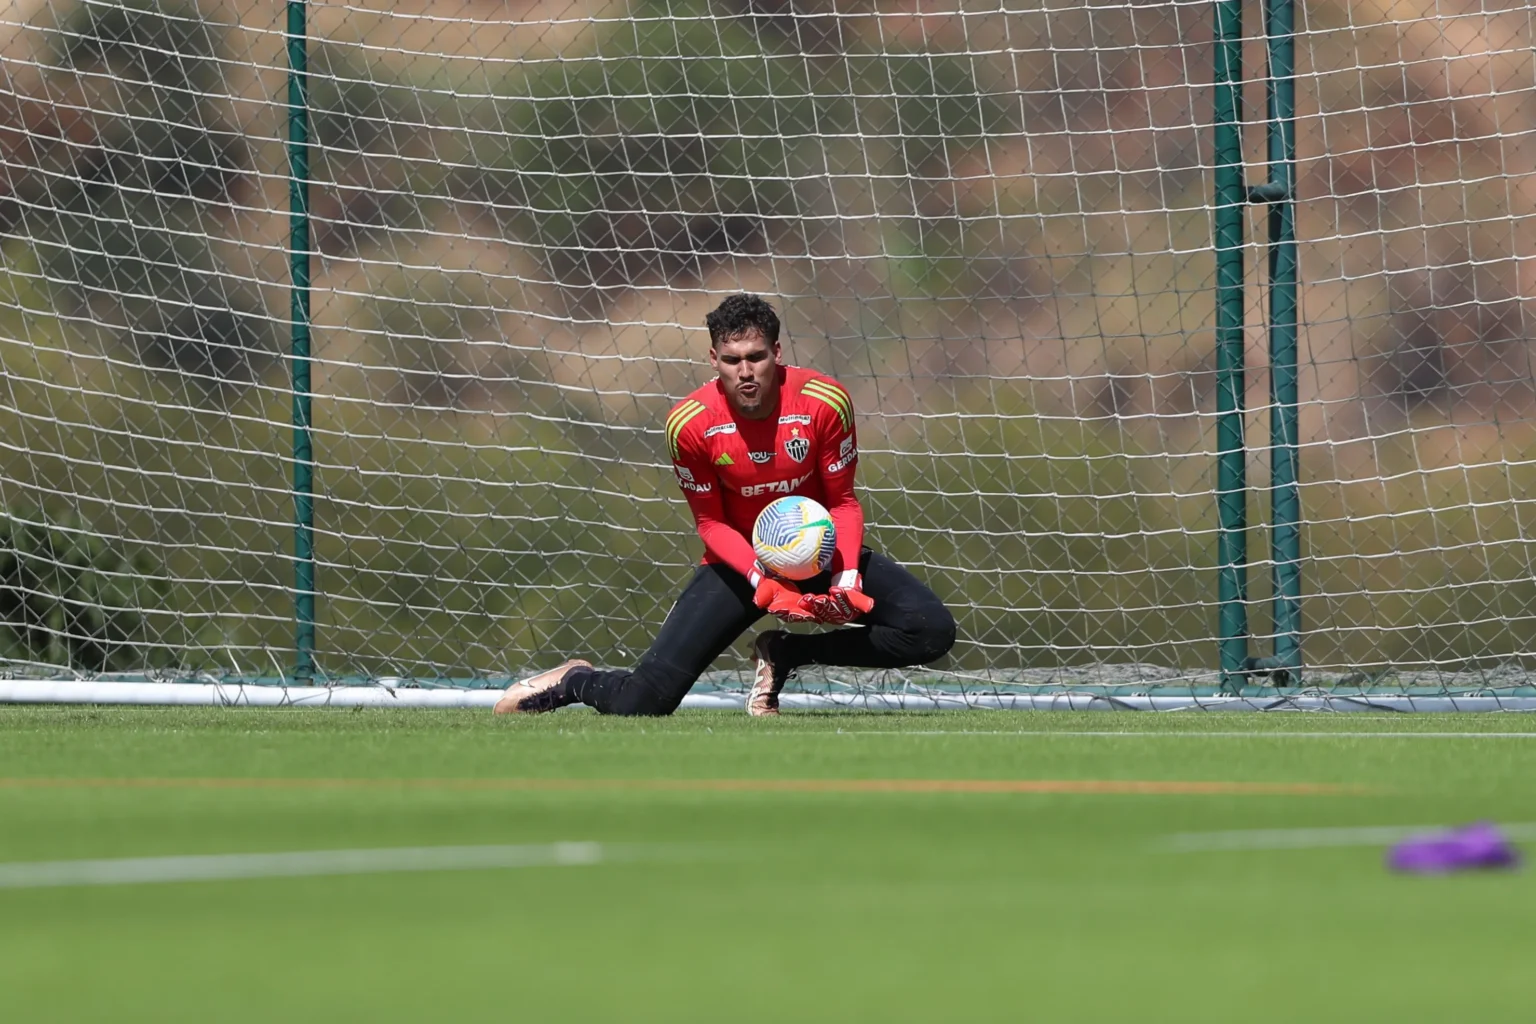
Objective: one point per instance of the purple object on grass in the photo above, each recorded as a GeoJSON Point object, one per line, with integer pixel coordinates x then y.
{"type": "Point", "coordinates": [1479, 845]}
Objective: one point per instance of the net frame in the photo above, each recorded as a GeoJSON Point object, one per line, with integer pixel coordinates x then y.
{"type": "Point", "coordinates": [991, 222]}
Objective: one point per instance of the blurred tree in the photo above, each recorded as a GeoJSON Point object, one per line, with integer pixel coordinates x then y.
{"type": "Point", "coordinates": [69, 597]}
{"type": "Point", "coordinates": [697, 138]}
{"type": "Point", "coordinates": [128, 216]}
{"type": "Point", "coordinates": [374, 169]}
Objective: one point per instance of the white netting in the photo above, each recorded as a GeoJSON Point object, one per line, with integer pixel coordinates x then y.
{"type": "Point", "coordinates": [992, 222]}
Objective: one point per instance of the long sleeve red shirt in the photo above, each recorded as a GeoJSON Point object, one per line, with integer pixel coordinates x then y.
{"type": "Point", "coordinates": [730, 468]}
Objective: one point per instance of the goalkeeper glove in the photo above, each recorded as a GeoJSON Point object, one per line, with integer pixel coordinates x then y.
{"type": "Point", "coordinates": [777, 598]}
{"type": "Point", "coordinates": [843, 602]}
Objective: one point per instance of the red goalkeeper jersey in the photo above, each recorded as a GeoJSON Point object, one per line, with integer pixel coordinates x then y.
{"type": "Point", "coordinates": [730, 468]}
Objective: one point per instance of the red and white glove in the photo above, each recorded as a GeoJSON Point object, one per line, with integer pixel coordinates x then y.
{"type": "Point", "coordinates": [843, 602]}
{"type": "Point", "coordinates": [779, 598]}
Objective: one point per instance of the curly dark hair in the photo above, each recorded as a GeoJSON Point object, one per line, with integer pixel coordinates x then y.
{"type": "Point", "coordinates": [740, 313]}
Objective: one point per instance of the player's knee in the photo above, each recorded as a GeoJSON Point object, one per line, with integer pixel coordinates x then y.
{"type": "Point", "coordinates": [635, 705]}
{"type": "Point", "coordinates": [655, 688]}
{"type": "Point", "coordinates": [937, 642]}
{"type": "Point", "coordinates": [931, 639]}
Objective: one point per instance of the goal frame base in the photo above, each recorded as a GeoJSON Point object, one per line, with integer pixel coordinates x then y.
{"type": "Point", "coordinates": [240, 694]}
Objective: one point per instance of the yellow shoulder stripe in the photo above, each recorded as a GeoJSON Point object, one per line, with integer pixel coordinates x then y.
{"type": "Point", "coordinates": [678, 420]}
{"type": "Point", "coordinates": [834, 396]}
{"type": "Point", "coordinates": [683, 411]}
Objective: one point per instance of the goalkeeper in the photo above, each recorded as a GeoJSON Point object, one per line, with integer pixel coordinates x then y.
{"type": "Point", "coordinates": [761, 430]}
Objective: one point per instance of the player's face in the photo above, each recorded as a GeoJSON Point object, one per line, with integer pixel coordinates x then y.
{"type": "Point", "coordinates": [749, 372]}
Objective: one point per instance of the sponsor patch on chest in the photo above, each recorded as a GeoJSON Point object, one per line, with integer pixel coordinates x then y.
{"type": "Point", "coordinates": [774, 487]}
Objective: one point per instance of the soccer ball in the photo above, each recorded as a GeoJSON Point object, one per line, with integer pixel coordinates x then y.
{"type": "Point", "coordinates": [794, 538]}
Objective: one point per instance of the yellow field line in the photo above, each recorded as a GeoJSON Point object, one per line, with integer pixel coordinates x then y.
{"type": "Point", "coordinates": [1151, 787]}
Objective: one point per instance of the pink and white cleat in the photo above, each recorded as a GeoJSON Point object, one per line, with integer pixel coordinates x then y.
{"type": "Point", "coordinates": [769, 677]}
{"type": "Point", "coordinates": [538, 693]}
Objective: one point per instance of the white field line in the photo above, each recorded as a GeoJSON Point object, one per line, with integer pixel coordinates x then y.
{"type": "Point", "coordinates": [1311, 838]}
{"type": "Point", "coordinates": [300, 864]}
{"type": "Point", "coordinates": [1190, 734]}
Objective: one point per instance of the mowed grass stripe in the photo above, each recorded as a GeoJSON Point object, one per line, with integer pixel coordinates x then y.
{"type": "Point", "coordinates": [1314, 838]}
{"type": "Point", "coordinates": [1281, 734]}
{"type": "Point", "coordinates": [297, 864]}
{"type": "Point", "coordinates": [1149, 787]}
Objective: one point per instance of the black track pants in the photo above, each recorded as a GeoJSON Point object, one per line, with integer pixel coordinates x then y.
{"type": "Point", "coordinates": [909, 626]}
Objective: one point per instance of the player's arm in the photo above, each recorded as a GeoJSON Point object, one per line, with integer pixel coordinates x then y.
{"type": "Point", "coordinates": [837, 470]}
{"type": "Point", "coordinates": [701, 485]}
{"type": "Point", "coordinates": [839, 460]}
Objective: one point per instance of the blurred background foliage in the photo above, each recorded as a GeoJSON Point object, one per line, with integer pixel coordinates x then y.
{"type": "Point", "coordinates": [990, 223]}
{"type": "Point", "coordinates": [70, 597]}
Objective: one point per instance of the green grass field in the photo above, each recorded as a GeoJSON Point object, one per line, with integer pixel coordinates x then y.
{"type": "Point", "coordinates": [806, 869]}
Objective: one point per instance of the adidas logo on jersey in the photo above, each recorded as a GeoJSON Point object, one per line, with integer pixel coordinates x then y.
{"type": "Point", "coordinates": [725, 460]}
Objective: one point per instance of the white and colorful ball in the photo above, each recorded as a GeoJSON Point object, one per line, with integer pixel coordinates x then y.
{"type": "Point", "coordinates": [794, 538]}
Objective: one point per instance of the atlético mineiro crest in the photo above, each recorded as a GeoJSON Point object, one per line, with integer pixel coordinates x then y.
{"type": "Point", "coordinates": [797, 447]}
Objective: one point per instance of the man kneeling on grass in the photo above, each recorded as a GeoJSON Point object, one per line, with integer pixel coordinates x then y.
{"type": "Point", "coordinates": [758, 432]}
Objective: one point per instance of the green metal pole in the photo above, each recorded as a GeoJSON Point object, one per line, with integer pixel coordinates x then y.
{"type": "Point", "coordinates": [1285, 496]}
{"type": "Point", "coordinates": [298, 255]}
{"type": "Point", "coordinates": [1231, 486]}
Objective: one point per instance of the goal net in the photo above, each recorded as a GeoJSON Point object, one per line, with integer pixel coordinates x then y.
{"type": "Point", "coordinates": [991, 221]}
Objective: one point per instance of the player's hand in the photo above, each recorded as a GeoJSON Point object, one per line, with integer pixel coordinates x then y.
{"type": "Point", "coordinates": [781, 599]}
{"type": "Point", "coordinates": [843, 602]}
